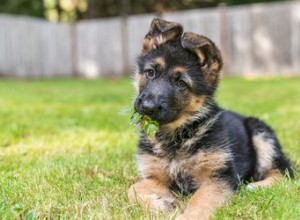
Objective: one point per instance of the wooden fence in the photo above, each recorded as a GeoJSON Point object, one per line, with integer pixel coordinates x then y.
{"type": "Point", "coordinates": [258, 39]}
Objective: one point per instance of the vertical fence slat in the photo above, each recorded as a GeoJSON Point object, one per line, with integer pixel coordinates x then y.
{"type": "Point", "coordinates": [238, 40]}
{"type": "Point", "coordinates": [99, 48]}
{"type": "Point", "coordinates": [295, 38]}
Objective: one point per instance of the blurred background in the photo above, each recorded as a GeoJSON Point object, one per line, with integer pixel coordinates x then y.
{"type": "Point", "coordinates": [101, 38]}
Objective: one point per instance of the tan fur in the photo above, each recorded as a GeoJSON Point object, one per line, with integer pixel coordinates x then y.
{"type": "Point", "coordinates": [152, 195]}
{"type": "Point", "coordinates": [147, 44]}
{"type": "Point", "coordinates": [137, 81]}
{"type": "Point", "coordinates": [140, 82]}
{"type": "Point", "coordinates": [265, 152]}
{"type": "Point", "coordinates": [161, 62]}
{"type": "Point", "coordinates": [152, 43]}
{"type": "Point", "coordinates": [200, 55]}
{"type": "Point", "coordinates": [211, 72]}
{"type": "Point", "coordinates": [269, 179]}
{"type": "Point", "coordinates": [178, 69]}
{"type": "Point", "coordinates": [160, 32]}
{"type": "Point", "coordinates": [195, 103]}
{"type": "Point", "coordinates": [177, 123]}
{"type": "Point", "coordinates": [210, 75]}
{"type": "Point", "coordinates": [215, 66]}
{"type": "Point", "coordinates": [153, 167]}
{"type": "Point", "coordinates": [205, 164]}
{"type": "Point", "coordinates": [211, 195]}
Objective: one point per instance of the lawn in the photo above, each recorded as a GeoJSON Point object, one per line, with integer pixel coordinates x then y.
{"type": "Point", "coordinates": [66, 153]}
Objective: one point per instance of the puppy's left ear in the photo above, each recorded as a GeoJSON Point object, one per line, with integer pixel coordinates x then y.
{"type": "Point", "coordinates": [208, 54]}
{"type": "Point", "coordinates": [160, 32]}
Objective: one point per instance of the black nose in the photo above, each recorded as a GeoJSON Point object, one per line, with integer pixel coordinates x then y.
{"type": "Point", "coordinates": [148, 106]}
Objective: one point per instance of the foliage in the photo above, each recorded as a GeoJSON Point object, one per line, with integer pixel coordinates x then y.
{"type": "Point", "coordinates": [115, 7]}
{"type": "Point", "coordinates": [33, 7]}
{"type": "Point", "coordinates": [148, 125]}
{"type": "Point", "coordinates": [72, 10]}
{"type": "Point", "coordinates": [66, 153]}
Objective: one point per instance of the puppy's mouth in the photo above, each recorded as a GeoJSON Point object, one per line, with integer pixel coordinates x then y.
{"type": "Point", "coordinates": [161, 116]}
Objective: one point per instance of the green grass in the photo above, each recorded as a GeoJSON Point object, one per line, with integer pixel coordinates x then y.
{"type": "Point", "coordinates": [66, 153]}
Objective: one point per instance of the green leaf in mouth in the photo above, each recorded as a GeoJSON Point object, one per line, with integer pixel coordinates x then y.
{"type": "Point", "coordinates": [149, 126]}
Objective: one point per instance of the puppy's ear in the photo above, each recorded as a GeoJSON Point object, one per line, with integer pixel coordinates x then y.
{"type": "Point", "coordinates": [160, 32]}
{"type": "Point", "coordinates": [208, 54]}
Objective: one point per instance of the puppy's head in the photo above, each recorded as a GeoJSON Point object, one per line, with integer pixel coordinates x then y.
{"type": "Point", "coordinates": [176, 73]}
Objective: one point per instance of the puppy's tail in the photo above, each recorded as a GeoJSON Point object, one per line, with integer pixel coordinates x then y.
{"type": "Point", "coordinates": [270, 160]}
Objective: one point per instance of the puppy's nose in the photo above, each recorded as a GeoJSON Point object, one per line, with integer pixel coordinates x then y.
{"type": "Point", "coordinates": [149, 106]}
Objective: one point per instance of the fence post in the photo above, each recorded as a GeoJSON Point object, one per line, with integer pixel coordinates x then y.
{"type": "Point", "coordinates": [74, 55]}
{"type": "Point", "coordinates": [125, 51]}
{"type": "Point", "coordinates": [223, 36]}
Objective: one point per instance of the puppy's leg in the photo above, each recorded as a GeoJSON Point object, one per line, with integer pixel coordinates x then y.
{"type": "Point", "coordinates": [153, 195]}
{"type": "Point", "coordinates": [271, 163]}
{"type": "Point", "coordinates": [211, 195]}
{"type": "Point", "coordinates": [269, 179]}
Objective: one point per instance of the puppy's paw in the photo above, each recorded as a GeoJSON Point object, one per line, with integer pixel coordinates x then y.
{"type": "Point", "coordinates": [159, 203]}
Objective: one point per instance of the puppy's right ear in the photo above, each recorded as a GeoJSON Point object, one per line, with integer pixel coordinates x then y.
{"type": "Point", "coordinates": [160, 32]}
{"type": "Point", "coordinates": [208, 55]}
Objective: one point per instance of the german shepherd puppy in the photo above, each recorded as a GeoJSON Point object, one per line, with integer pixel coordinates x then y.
{"type": "Point", "coordinates": [199, 148]}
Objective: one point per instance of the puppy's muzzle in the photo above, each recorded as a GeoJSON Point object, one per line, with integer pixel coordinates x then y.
{"type": "Point", "coordinates": [149, 104]}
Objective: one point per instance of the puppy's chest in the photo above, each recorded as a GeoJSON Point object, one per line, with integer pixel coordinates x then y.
{"type": "Point", "coordinates": [181, 179]}
{"type": "Point", "coordinates": [176, 172]}
{"type": "Point", "coordinates": [178, 165]}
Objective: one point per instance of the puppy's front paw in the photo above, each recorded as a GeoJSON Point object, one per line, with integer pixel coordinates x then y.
{"type": "Point", "coordinates": [159, 203]}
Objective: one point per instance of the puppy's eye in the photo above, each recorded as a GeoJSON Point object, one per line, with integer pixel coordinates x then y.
{"type": "Point", "coordinates": [181, 84]}
{"type": "Point", "coordinates": [150, 73]}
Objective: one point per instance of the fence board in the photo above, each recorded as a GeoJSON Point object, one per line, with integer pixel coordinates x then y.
{"type": "Point", "coordinates": [295, 37]}
{"type": "Point", "coordinates": [55, 44]}
{"type": "Point", "coordinates": [99, 47]}
{"type": "Point", "coordinates": [238, 41]}
{"type": "Point", "coordinates": [34, 48]}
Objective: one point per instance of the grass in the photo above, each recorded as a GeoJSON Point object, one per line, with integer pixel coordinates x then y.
{"type": "Point", "coordinates": [65, 153]}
